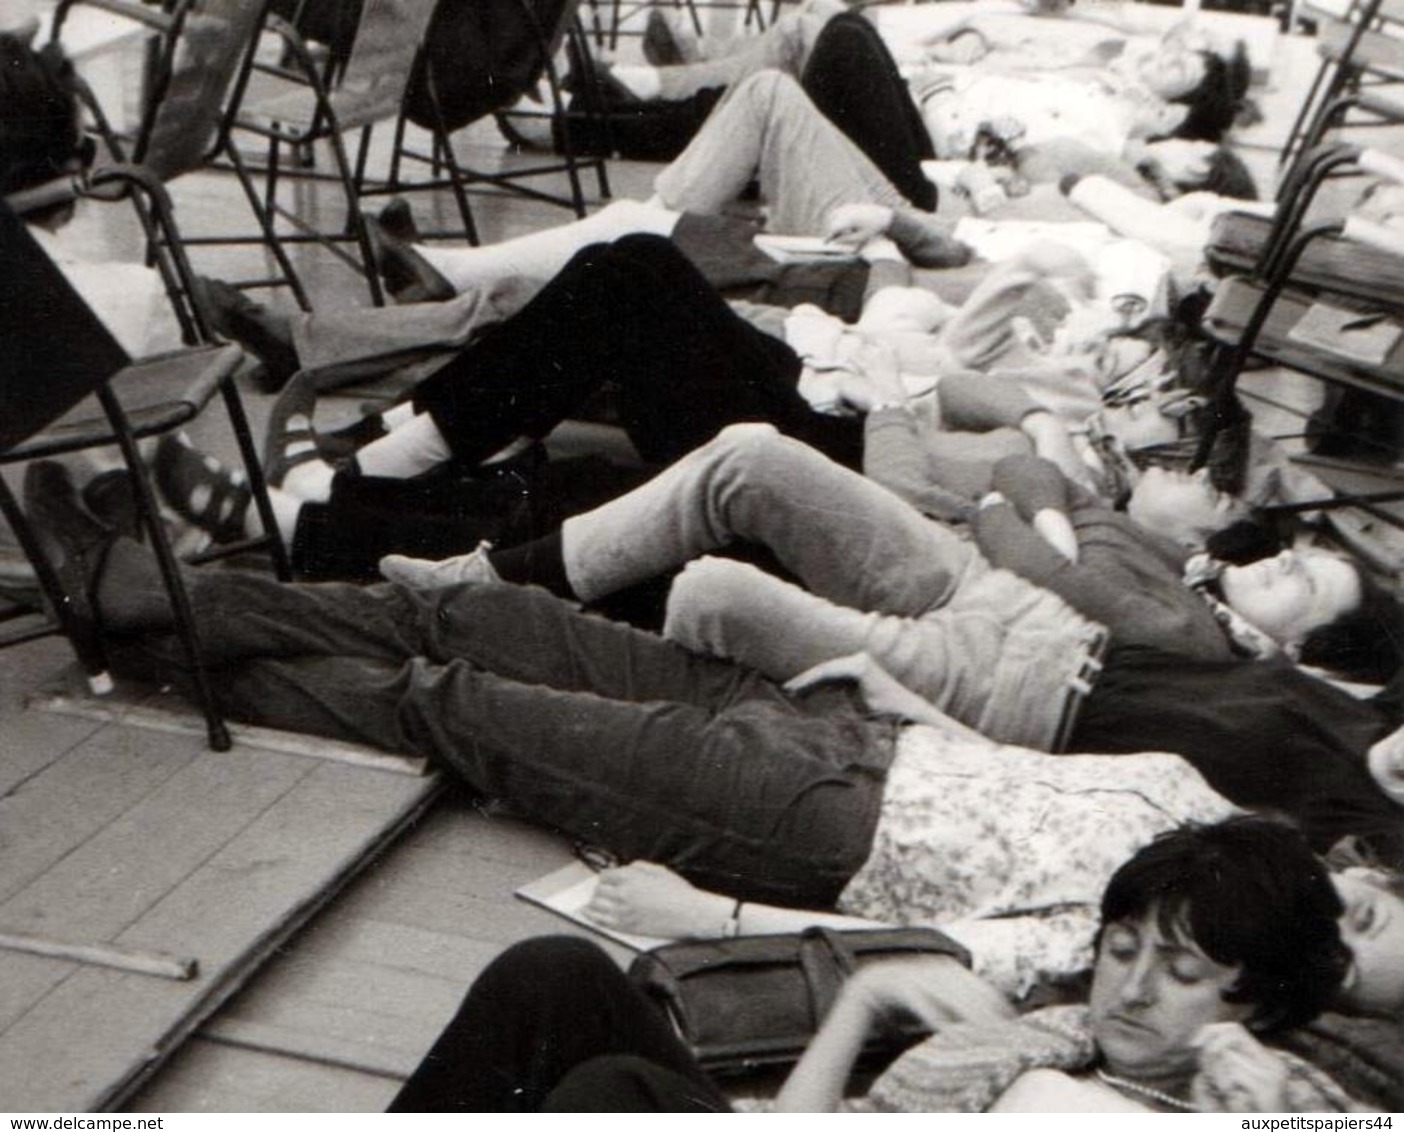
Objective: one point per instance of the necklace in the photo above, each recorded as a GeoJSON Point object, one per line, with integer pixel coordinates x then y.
{"type": "Point", "coordinates": [1146, 1091]}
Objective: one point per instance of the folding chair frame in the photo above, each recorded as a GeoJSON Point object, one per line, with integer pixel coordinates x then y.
{"type": "Point", "coordinates": [122, 431]}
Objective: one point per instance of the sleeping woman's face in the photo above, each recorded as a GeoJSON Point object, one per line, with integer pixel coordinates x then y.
{"type": "Point", "coordinates": [1152, 995]}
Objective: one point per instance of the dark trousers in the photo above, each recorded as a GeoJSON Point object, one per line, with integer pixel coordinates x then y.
{"type": "Point", "coordinates": [853, 79]}
{"type": "Point", "coordinates": [448, 513]}
{"type": "Point", "coordinates": [553, 1025]}
{"type": "Point", "coordinates": [635, 314]}
{"type": "Point", "coordinates": [612, 735]}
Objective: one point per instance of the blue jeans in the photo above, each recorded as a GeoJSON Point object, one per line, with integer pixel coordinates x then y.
{"type": "Point", "coordinates": [612, 735]}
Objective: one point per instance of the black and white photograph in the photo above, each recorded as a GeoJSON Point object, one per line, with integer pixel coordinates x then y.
{"type": "Point", "coordinates": [702, 556]}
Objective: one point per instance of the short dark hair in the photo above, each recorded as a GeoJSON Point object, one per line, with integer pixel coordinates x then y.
{"type": "Point", "coordinates": [1215, 102]}
{"type": "Point", "coordinates": [1365, 643]}
{"type": "Point", "coordinates": [40, 131]}
{"type": "Point", "coordinates": [1251, 894]}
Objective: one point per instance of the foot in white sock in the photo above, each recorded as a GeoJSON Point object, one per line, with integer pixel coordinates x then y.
{"type": "Point", "coordinates": [639, 80]}
{"type": "Point", "coordinates": [423, 574]}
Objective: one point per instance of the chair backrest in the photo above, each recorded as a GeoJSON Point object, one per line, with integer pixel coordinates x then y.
{"type": "Point", "coordinates": [202, 44]}
{"type": "Point", "coordinates": [186, 102]}
{"type": "Point", "coordinates": [484, 55]}
{"type": "Point", "coordinates": [372, 88]}
{"type": "Point", "coordinates": [53, 350]}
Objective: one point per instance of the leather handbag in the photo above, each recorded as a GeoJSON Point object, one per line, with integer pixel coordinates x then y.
{"type": "Point", "coordinates": [754, 1001]}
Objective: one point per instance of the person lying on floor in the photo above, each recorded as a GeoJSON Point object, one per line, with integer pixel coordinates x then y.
{"type": "Point", "coordinates": [882, 578]}
{"type": "Point", "coordinates": [848, 73]}
{"type": "Point", "coordinates": [1214, 940]}
{"type": "Point", "coordinates": [523, 376]}
{"type": "Point", "coordinates": [1126, 571]}
{"type": "Point", "coordinates": [620, 738]}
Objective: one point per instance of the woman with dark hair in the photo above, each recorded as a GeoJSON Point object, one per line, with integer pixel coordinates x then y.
{"type": "Point", "coordinates": [1211, 938]}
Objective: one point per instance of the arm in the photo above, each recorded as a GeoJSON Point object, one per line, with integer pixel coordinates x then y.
{"type": "Point", "coordinates": [645, 898]}
{"type": "Point", "coordinates": [1033, 484]}
{"type": "Point", "coordinates": [882, 692]}
{"type": "Point", "coordinates": [895, 455]}
{"type": "Point", "coordinates": [936, 990]}
{"type": "Point", "coordinates": [971, 402]}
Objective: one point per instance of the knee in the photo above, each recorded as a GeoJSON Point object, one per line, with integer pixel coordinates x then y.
{"type": "Point", "coordinates": [770, 88]}
{"type": "Point", "coordinates": [746, 439]}
{"type": "Point", "coordinates": [647, 245]}
{"type": "Point", "coordinates": [548, 960]}
{"type": "Point", "coordinates": [705, 598]}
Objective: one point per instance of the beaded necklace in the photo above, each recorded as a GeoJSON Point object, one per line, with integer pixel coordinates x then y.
{"type": "Point", "coordinates": [1133, 1087]}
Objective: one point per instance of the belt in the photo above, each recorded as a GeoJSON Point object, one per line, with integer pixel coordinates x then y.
{"type": "Point", "coordinates": [1080, 685]}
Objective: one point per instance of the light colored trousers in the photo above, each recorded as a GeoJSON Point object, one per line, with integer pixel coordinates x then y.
{"type": "Point", "coordinates": [767, 128]}
{"type": "Point", "coordinates": [784, 46]}
{"type": "Point", "coordinates": [982, 644]}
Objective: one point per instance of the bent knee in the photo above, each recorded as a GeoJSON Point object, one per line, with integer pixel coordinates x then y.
{"type": "Point", "coordinates": [771, 87]}
{"type": "Point", "coordinates": [706, 597]}
{"type": "Point", "coordinates": [530, 960]}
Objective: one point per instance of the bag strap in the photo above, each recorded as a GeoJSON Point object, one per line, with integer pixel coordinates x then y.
{"type": "Point", "coordinates": [827, 965]}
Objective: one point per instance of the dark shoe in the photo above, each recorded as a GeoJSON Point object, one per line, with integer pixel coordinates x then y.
{"type": "Point", "coordinates": [409, 277]}
{"type": "Point", "coordinates": [343, 443]}
{"type": "Point", "coordinates": [397, 219]}
{"type": "Point", "coordinates": [112, 499]}
{"type": "Point", "coordinates": [202, 490]}
{"type": "Point", "coordinates": [264, 333]}
{"type": "Point", "coordinates": [75, 544]}
{"type": "Point", "coordinates": [660, 46]}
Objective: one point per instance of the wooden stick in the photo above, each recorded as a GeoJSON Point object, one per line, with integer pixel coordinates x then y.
{"type": "Point", "coordinates": [156, 963]}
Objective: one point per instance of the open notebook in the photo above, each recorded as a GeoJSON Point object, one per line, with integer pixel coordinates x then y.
{"type": "Point", "coordinates": [566, 892]}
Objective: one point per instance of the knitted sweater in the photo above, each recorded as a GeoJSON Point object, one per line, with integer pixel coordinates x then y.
{"type": "Point", "coordinates": [967, 1067]}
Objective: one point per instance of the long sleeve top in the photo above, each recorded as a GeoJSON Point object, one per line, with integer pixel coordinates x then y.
{"type": "Point", "coordinates": [1128, 578]}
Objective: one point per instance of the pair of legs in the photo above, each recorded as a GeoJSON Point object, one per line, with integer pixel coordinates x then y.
{"type": "Point", "coordinates": [766, 128]}
{"type": "Point", "coordinates": [685, 365]}
{"type": "Point", "coordinates": [609, 734]}
{"type": "Point", "coordinates": [988, 648]}
{"type": "Point", "coordinates": [553, 1025]}
{"type": "Point", "coordinates": [849, 75]}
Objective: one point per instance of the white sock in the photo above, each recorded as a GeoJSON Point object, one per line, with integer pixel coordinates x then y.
{"type": "Point", "coordinates": [398, 415]}
{"type": "Point", "coordinates": [286, 510]}
{"type": "Point", "coordinates": [639, 80]}
{"type": "Point", "coordinates": [410, 450]}
{"type": "Point", "coordinates": [310, 482]}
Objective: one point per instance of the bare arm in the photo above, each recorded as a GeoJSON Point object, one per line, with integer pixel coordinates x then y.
{"type": "Point", "coordinates": [936, 990]}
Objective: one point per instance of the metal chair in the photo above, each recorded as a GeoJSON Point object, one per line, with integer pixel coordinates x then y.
{"type": "Point", "coordinates": [1256, 314]}
{"type": "Point", "coordinates": [315, 104]}
{"type": "Point", "coordinates": [59, 356]}
{"type": "Point", "coordinates": [195, 77]}
{"type": "Point", "coordinates": [1361, 53]}
{"type": "Point", "coordinates": [476, 62]}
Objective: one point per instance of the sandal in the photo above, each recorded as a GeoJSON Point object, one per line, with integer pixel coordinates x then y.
{"type": "Point", "coordinates": [201, 490]}
{"type": "Point", "coordinates": [290, 440]}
